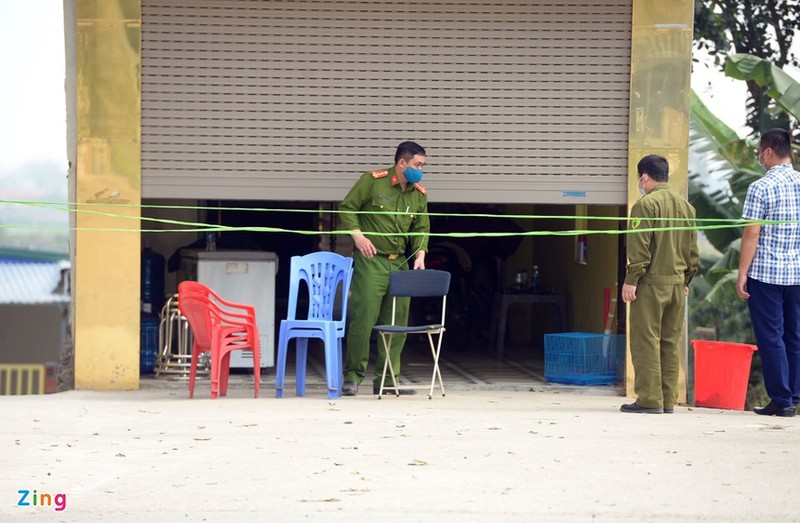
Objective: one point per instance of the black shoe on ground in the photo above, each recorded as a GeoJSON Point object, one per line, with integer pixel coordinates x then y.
{"type": "Point", "coordinates": [638, 409]}
{"type": "Point", "coordinates": [349, 388]}
{"type": "Point", "coordinates": [391, 390]}
{"type": "Point", "coordinates": [669, 410]}
{"type": "Point", "coordinates": [773, 410]}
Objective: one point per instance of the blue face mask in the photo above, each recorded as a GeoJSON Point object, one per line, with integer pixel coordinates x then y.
{"type": "Point", "coordinates": [641, 190]}
{"type": "Point", "coordinates": [412, 175]}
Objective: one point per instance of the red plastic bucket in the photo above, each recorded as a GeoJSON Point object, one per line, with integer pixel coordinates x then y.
{"type": "Point", "coordinates": [721, 373]}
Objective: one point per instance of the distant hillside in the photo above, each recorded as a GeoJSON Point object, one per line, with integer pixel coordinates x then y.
{"type": "Point", "coordinates": [34, 182]}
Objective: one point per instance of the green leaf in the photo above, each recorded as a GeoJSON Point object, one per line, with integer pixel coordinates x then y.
{"type": "Point", "coordinates": [781, 87]}
{"type": "Point", "coordinates": [711, 127]}
{"type": "Point", "coordinates": [738, 153]}
{"type": "Point", "coordinates": [707, 207]}
{"type": "Point", "coordinates": [721, 167]}
{"type": "Point", "coordinates": [730, 259]}
{"type": "Point", "coordinates": [723, 291]}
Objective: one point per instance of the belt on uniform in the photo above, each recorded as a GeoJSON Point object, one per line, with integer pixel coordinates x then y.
{"type": "Point", "coordinates": [392, 256]}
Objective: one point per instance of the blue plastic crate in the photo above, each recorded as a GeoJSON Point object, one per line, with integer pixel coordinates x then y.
{"type": "Point", "coordinates": [578, 358]}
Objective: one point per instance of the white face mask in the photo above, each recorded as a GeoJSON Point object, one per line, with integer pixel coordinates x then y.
{"type": "Point", "coordinates": [760, 161]}
{"type": "Point", "coordinates": [641, 189]}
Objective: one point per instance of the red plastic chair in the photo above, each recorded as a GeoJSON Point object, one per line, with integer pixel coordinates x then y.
{"type": "Point", "coordinates": [219, 327]}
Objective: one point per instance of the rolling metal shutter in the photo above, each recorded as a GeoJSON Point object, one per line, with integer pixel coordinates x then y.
{"type": "Point", "coordinates": [516, 101]}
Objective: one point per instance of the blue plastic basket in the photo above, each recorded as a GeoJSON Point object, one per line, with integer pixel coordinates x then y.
{"type": "Point", "coordinates": [578, 358]}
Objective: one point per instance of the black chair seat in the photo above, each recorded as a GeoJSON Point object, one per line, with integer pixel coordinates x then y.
{"type": "Point", "coordinates": [416, 329]}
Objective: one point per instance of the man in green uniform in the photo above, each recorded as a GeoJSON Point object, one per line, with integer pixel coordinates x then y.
{"type": "Point", "coordinates": [660, 266]}
{"type": "Point", "coordinates": [381, 193]}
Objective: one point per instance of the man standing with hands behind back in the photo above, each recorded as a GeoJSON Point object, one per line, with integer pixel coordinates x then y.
{"type": "Point", "coordinates": [395, 202]}
{"type": "Point", "coordinates": [769, 272]}
{"type": "Point", "coordinates": [661, 264]}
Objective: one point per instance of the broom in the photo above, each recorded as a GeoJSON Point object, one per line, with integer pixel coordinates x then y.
{"type": "Point", "coordinates": [612, 310]}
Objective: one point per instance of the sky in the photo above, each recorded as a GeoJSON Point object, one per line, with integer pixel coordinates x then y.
{"type": "Point", "coordinates": [724, 96]}
{"type": "Point", "coordinates": [32, 99]}
{"type": "Point", "coordinates": [33, 141]}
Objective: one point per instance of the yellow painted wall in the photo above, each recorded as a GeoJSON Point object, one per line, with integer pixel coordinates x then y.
{"type": "Point", "coordinates": [584, 285]}
{"type": "Point", "coordinates": [107, 171]}
{"type": "Point", "coordinates": [661, 57]}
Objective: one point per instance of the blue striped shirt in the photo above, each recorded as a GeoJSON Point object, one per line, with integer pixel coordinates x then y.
{"type": "Point", "coordinates": [776, 196]}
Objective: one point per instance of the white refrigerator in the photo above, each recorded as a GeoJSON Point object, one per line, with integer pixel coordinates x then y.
{"type": "Point", "coordinates": [246, 277]}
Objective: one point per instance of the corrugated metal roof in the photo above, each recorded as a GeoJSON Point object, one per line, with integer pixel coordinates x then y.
{"type": "Point", "coordinates": [25, 282]}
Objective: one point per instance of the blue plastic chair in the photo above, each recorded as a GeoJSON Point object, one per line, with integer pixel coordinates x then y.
{"type": "Point", "coordinates": [324, 273]}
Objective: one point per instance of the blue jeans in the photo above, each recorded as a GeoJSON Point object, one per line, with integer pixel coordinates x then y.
{"type": "Point", "coordinates": [775, 313]}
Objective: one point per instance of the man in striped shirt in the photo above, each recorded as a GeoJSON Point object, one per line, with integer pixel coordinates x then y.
{"type": "Point", "coordinates": [769, 271]}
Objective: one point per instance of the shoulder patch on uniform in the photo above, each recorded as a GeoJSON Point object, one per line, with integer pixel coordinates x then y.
{"type": "Point", "coordinates": [421, 188]}
{"type": "Point", "coordinates": [380, 174]}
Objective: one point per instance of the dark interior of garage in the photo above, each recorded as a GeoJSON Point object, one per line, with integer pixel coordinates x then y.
{"type": "Point", "coordinates": [483, 270]}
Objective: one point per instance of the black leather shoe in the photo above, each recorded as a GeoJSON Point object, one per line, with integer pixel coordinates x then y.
{"type": "Point", "coordinates": [638, 409]}
{"type": "Point", "coordinates": [669, 410]}
{"type": "Point", "coordinates": [391, 390]}
{"type": "Point", "coordinates": [773, 410]}
{"type": "Point", "coordinates": [349, 388]}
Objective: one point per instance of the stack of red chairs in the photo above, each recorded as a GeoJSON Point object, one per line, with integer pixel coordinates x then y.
{"type": "Point", "coordinates": [219, 327]}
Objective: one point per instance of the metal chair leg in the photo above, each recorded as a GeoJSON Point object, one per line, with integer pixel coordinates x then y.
{"type": "Point", "coordinates": [387, 347]}
{"type": "Point", "coordinates": [435, 351]}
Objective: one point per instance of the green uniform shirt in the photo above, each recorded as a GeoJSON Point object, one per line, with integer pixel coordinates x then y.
{"type": "Point", "coordinates": [380, 193]}
{"type": "Point", "coordinates": [662, 257]}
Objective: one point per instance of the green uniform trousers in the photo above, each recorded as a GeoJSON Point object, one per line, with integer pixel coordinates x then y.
{"type": "Point", "coordinates": [370, 305]}
{"type": "Point", "coordinates": [657, 316]}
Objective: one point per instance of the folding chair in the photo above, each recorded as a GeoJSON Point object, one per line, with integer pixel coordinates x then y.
{"type": "Point", "coordinates": [427, 283]}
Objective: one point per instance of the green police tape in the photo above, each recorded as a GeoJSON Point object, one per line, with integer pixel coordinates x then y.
{"type": "Point", "coordinates": [182, 226]}
{"type": "Point", "coordinates": [71, 206]}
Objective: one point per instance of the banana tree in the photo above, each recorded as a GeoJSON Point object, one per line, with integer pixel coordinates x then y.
{"type": "Point", "coordinates": [782, 88]}
{"type": "Point", "coordinates": [722, 166]}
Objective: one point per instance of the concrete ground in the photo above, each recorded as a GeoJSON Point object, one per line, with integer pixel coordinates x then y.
{"type": "Point", "coordinates": [523, 454]}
